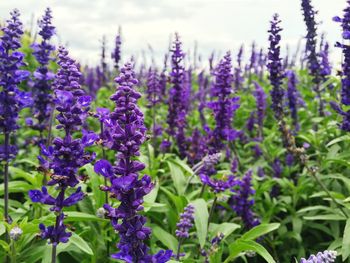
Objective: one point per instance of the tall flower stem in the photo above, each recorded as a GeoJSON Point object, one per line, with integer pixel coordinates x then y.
{"type": "Point", "coordinates": [6, 179]}
{"type": "Point", "coordinates": [178, 249]}
{"type": "Point", "coordinates": [212, 210]}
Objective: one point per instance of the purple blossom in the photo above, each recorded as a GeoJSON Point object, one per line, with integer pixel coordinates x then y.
{"type": "Point", "coordinates": [310, 49]}
{"type": "Point", "coordinates": [43, 77]}
{"type": "Point", "coordinates": [224, 104]}
{"type": "Point", "coordinates": [294, 99]}
{"type": "Point", "coordinates": [125, 134]}
{"type": "Point", "coordinates": [218, 185]}
{"type": "Point", "coordinates": [12, 100]}
{"type": "Point", "coordinates": [345, 81]}
{"type": "Point", "coordinates": [185, 223]}
{"type": "Point", "coordinates": [238, 74]}
{"type": "Point", "coordinates": [116, 54]}
{"type": "Point", "coordinates": [260, 98]}
{"type": "Point", "coordinates": [67, 155]}
{"type": "Point", "coordinates": [327, 256]}
{"type": "Point", "coordinates": [242, 203]}
{"type": "Point", "coordinates": [275, 67]}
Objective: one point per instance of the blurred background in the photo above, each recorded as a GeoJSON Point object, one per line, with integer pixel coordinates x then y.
{"type": "Point", "coordinates": [218, 25]}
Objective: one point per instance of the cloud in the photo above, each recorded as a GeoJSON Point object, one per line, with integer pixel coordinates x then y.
{"type": "Point", "coordinates": [216, 25]}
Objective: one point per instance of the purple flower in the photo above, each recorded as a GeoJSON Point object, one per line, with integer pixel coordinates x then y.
{"type": "Point", "coordinates": [294, 99]}
{"type": "Point", "coordinates": [345, 81]}
{"type": "Point", "coordinates": [224, 104]}
{"type": "Point", "coordinates": [327, 256]}
{"type": "Point", "coordinates": [67, 154]}
{"type": "Point", "coordinates": [310, 49]}
{"type": "Point", "coordinates": [218, 185]}
{"type": "Point", "coordinates": [43, 77]}
{"type": "Point", "coordinates": [12, 100]}
{"type": "Point", "coordinates": [242, 203]}
{"type": "Point", "coordinates": [125, 134]}
{"type": "Point", "coordinates": [275, 67]}
{"type": "Point", "coordinates": [260, 98]}
{"type": "Point", "coordinates": [116, 56]}
{"type": "Point", "coordinates": [238, 74]}
{"type": "Point", "coordinates": [185, 223]}
{"type": "Point", "coordinates": [178, 97]}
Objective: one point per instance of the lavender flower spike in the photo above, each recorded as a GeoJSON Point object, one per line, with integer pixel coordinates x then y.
{"type": "Point", "coordinates": [225, 104]}
{"type": "Point", "coordinates": [67, 154]}
{"type": "Point", "coordinates": [275, 67]}
{"type": "Point", "coordinates": [125, 132]}
{"type": "Point", "coordinates": [12, 100]}
{"type": "Point", "coordinates": [327, 256]}
{"type": "Point", "coordinates": [184, 225]}
{"type": "Point", "coordinates": [241, 202]}
{"type": "Point", "coordinates": [42, 88]}
{"type": "Point", "coordinates": [345, 81]}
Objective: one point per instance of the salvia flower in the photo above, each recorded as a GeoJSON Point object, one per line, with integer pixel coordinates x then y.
{"type": "Point", "coordinates": [260, 98]}
{"type": "Point", "coordinates": [275, 67]}
{"type": "Point", "coordinates": [16, 233]}
{"type": "Point", "coordinates": [294, 99]}
{"type": "Point", "coordinates": [327, 256]}
{"type": "Point", "coordinates": [242, 202]}
{"type": "Point", "coordinates": [126, 133]}
{"type": "Point", "coordinates": [12, 100]}
{"type": "Point", "coordinates": [185, 223]}
{"type": "Point", "coordinates": [345, 81]}
{"type": "Point", "coordinates": [218, 185]}
{"type": "Point", "coordinates": [116, 54]}
{"type": "Point", "coordinates": [310, 49]}
{"type": "Point", "coordinates": [67, 155]}
{"type": "Point", "coordinates": [43, 77]}
{"type": "Point", "coordinates": [238, 74]}
{"type": "Point", "coordinates": [224, 104]}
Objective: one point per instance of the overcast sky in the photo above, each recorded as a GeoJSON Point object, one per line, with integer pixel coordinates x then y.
{"type": "Point", "coordinates": [216, 24]}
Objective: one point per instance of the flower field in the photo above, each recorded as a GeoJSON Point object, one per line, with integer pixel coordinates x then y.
{"type": "Point", "coordinates": [239, 157]}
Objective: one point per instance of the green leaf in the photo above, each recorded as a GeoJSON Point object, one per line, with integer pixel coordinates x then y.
{"type": "Point", "coordinates": [163, 236]}
{"type": "Point", "coordinates": [178, 177]}
{"type": "Point", "coordinates": [80, 243]}
{"type": "Point", "coordinates": [339, 139]}
{"type": "Point", "coordinates": [345, 249]}
{"type": "Point", "coordinates": [259, 230]}
{"type": "Point", "coordinates": [325, 217]}
{"type": "Point", "coordinates": [201, 216]}
{"type": "Point", "coordinates": [225, 228]}
{"type": "Point", "coordinates": [16, 187]}
{"type": "Point", "coordinates": [243, 245]}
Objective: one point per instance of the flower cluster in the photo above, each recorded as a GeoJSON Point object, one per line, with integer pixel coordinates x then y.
{"type": "Point", "coordinates": [294, 98]}
{"type": "Point", "coordinates": [153, 88]}
{"type": "Point", "coordinates": [42, 87]}
{"type": "Point", "coordinates": [67, 155]}
{"type": "Point", "coordinates": [178, 98]}
{"type": "Point", "coordinates": [12, 100]}
{"type": "Point", "coordinates": [242, 203]}
{"type": "Point", "coordinates": [345, 82]}
{"type": "Point", "coordinates": [125, 132]}
{"type": "Point", "coordinates": [218, 185]}
{"type": "Point", "coordinates": [224, 106]}
{"type": "Point", "coordinates": [327, 256]}
{"type": "Point", "coordinates": [185, 223]}
{"type": "Point", "coordinates": [275, 67]}
{"type": "Point", "coordinates": [116, 56]}
{"type": "Point", "coordinates": [260, 98]}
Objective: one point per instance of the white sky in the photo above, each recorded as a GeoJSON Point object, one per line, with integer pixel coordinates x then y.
{"type": "Point", "coordinates": [216, 24]}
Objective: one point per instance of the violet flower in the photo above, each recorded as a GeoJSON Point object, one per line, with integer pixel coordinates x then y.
{"type": "Point", "coordinates": [126, 133]}
{"type": "Point", "coordinates": [223, 105]}
{"type": "Point", "coordinates": [116, 54]}
{"type": "Point", "coordinates": [183, 226]}
{"type": "Point", "coordinates": [241, 202]}
{"type": "Point", "coordinates": [67, 155]}
{"type": "Point", "coordinates": [345, 80]}
{"type": "Point", "coordinates": [275, 68]}
{"type": "Point", "coordinates": [260, 98]}
{"type": "Point", "coordinates": [43, 77]}
{"type": "Point", "coordinates": [177, 98]}
{"type": "Point", "coordinates": [238, 74]}
{"type": "Point", "coordinates": [327, 256]}
{"type": "Point", "coordinates": [310, 49]}
{"type": "Point", "coordinates": [294, 99]}
{"type": "Point", "coordinates": [12, 100]}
